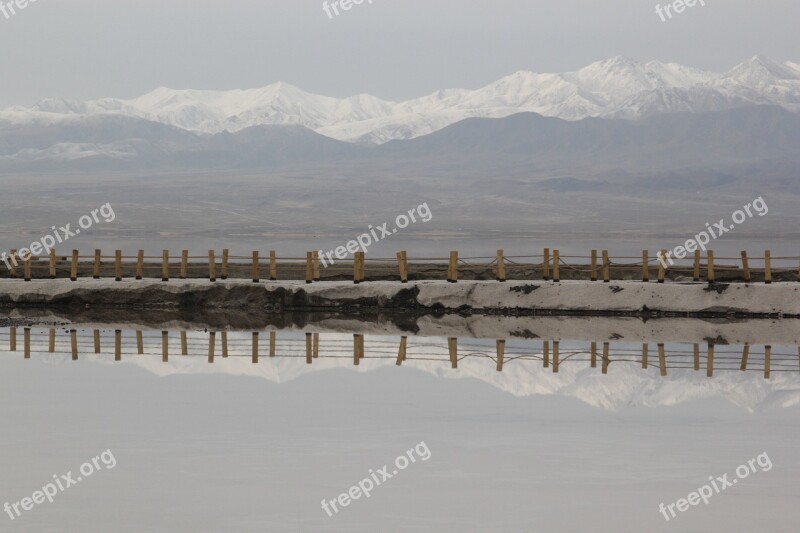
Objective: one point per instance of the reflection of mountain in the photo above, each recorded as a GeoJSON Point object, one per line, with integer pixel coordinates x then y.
{"type": "Point", "coordinates": [626, 384]}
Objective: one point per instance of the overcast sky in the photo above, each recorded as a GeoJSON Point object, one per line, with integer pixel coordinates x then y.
{"type": "Point", "coordinates": [392, 48]}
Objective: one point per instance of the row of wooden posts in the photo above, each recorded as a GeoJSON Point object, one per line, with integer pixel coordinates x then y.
{"type": "Point", "coordinates": [312, 350]}
{"type": "Point", "coordinates": [313, 266]}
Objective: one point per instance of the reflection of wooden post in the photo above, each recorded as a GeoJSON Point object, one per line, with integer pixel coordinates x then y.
{"type": "Point", "coordinates": [73, 337]}
{"type": "Point", "coordinates": [645, 349]}
{"type": "Point", "coordinates": [546, 264]}
{"type": "Point", "coordinates": [273, 266]}
{"type": "Point", "coordinates": [310, 267]}
{"type": "Point", "coordinates": [96, 272]}
{"type": "Point", "coordinates": [51, 345]}
{"type": "Point", "coordinates": [224, 344]}
{"type": "Point", "coordinates": [710, 257]}
{"type": "Point", "coordinates": [401, 352]}
{"type": "Point", "coordinates": [212, 337]}
{"type": "Point", "coordinates": [97, 341]}
{"type": "Point", "coordinates": [606, 267]}
{"type": "Point", "coordinates": [315, 261]}
{"type": "Point", "coordinates": [117, 345]}
{"type": "Point", "coordinates": [594, 355]}
{"type": "Point", "coordinates": [358, 348]}
{"type": "Point", "coordinates": [139, 343]}
{"type": "Point", "coordinates": [52, 264]}
{"type": "Point", "coordinates": [118, 265]}
{"type": "Point", "coordinates": [212, 266]}
{"type": "Point", "coordinates": [140, 264]}
{"type": "Point", "coordinates": [184, 344]}
{"type": "Point", "coordinates": [745, 267]}
{"type": "Point", "coordinates": [745, 353]}
{"type": "Point", "coordinates": [767, 267]}
{"type": "Point", "coordinates": [645, 266]}
{"type": "Point", "coordinates": [165, 265]}
{"type": "Point", "coordinates": [697, 356]}
{"type": "Point", "coordinates": [662, 360]}
{"type": "Point", "coordinates": [501, 350]}
{"type": "Point", "coordinates": [696, 269]}
{"type": "Point", "coordinates": [546, 353]}
{"type": "Point", "coordinates": [12, 339]}
{"type": "Point", "coordinates": [255, 347]}
{"type": "Point", "coordinates": [224, 269]}
{"type": "Point", "coordinates": [272, 341]}
{"type": "Point", "coordinates": [164, 346]}
{"type": "Point", "coordinates": [501, 266]}
{"type": "Point", "coordinates": [254, 270]}
{"type": "Point", "coordinates": [452, 345]}
{"type": "Point", "coordinates": [555, 353]}
{"type": "Point", "coordinates": [606, 360]}
{"type": "Point", "coordinates": [556, 266]}
{"type": "Point", "coordinates": [308, 349]}
{"type": "Point", "coordinates": [184, 263]}
{"type": "Point", "coordinates": [73, 269]}
{"type": "Point", "coordinates": [710, 362]}
{"type": "Point", "coordinates": [662, 266]}
{"type": "Point", "coordinates": [402, 266]}
{"type": "Point", "coordinates": [316, 345]}
{"type": "Point", "coordinates": [594, 266]}
{"type": "Point", "coordinates": [27, 342]}
{"type": "Point", "coordinates": [767, 357]}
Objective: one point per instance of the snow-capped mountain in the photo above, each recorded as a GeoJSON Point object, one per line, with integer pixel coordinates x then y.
{"type": "Point", "coordinates": [613, 88]}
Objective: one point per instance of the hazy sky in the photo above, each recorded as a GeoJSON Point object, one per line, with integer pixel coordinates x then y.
{"type": "Point", "coordinates": [392, 48]}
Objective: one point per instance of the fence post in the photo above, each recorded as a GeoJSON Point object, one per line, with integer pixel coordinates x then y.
{"type": "Point", "coordinates": [452, 271]}
{"type": "Point", "coordinates": [12, 339]}
{"type": "Point", "coordinates": [51, 345]}
{"type": "Point", "coordinates": [594, 266]}
{"type": "Point", "coordinates": [593, 357]}
{"type": "Point", "coordinates": [73, 271]}
{"type": "Point", "coordinates": [96, 273]}
{"type": "Point", "coordinates": [645, 266]}
{"type": "Point", "coordinates": [357, 268]}
{"type": "Point", "coordinates": [555, 354]}
{"type": "Point", "coordinates": [402, 266]}
{"type": "Point", "coordinates": [309, 267]}
{"type": "Point", "coordinates": [401, 352]}
{"type": "Point", "coordinates": [52, 264]}
{"type": "Point", "coordinates": [273, 266]}
{"type": "Point", "coordinates": [745, 353]}
{"type": "Point", "coordinates": [118, 345]}
{"type": "Point", "coordinates": [184, 263]}
{"type": "Point", "coordinates": [272, 341]}
{"type": "Point", "coordinates": [224, 341]}
{"type": "Point", "coordinates": [556, 266]}
{"type": "Point", "coordinates": [710, 360]}
{"type": "Point", "coordinates": [767, 267]}
{"type": "Point", "coordinates": [710, 258]}
{"type": "Point", "coordinates": [645, 350]}
{"type": "Point", "coordinates": [452, 345]}
{"type": "Point", "coordinates": [165, 265]}
{"type": "Point", "coordinates": [662, 261]}
{"type": "Point", "coordinates": [696, 272]}
{"type": "Point", "coordinates": [139, 264]}
{"type": "Point", "coordinates": [696, 356]}
{"type": "Point", "coordinates": [97, 341]}
{"type": "Point", "coordinates": [184, 344]}
{"type": "Point", "coordinates": [13, 259]}
{"type": "Point", "coordinates": [501, 266]}
{"type": "Point", "coordinates": [255, 347]}
{"type": "Point", "coordinates": [745, 267]}
{"type": "Point", "coordinates": [501, 350]}
{"type": "Point", "coordinates": [546, 264]}
{"type": "Point", "coordinates": [255, 273]}
{"type": "Point", "coordinates": [308, 349]}
{"type": "Point", "coordinates": [546, 354]}
{"type": "Point", "coordinates": [165, 346]}
{"type": "Point", "coordinates": [73, 336]}
{"type": "Point", "coordinates": [224, 269]}
{"type": "Point", "coordinates": [212, 335]}
{"type": "Point", "coordinates": [606, 360]}
{"type": "Point", "coordinates": [27, 342]}
{"type": "Point", "coordinates": [767, 358]}
{"type": "Point", "coordinates": [662, 360]}
{"type": "Point", "coordinates": [212, 266]}
{"type": "Point", "coordinates": [139, 342]}
{"type": "Point", "coordinates": [606, 267]}
{"type": "Point", "coordinates": [26, 269]}
{"type": "Point", "coordinates": [315, 263]}
{"type": "Point", "coordinates": [118, 265]}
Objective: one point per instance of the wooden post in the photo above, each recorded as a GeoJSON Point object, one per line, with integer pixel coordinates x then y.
{"type": "Point", "coordinates": [606, 360]}
{"type": "Point", "coordinates": [73, 337]}
{"type": "Point", "coordinates": [73, 269]}
{"type": "Point", "coordinates": [358, 348]}
{"type": "Point", "coordinates": [212, 337]}
{"type": "Point", "coordinates": [118, 345]}
{"type": "Point", "coordinates": [224, 272]}
{"type": "Point", "coordinates": [97, 257]}
{"type": "Point", "coordinates": [118, 265]}
{"type": "Point", "coordinates": [546, 265]}
{"type": "Point", "coordinates": [272, 341]}
{"type": "Point", "coordinates": [662, 262]}
{"type": "Point", "coordinates": [273, 266]}
{"type": "Point", "coordinates": [710, 257]}
{"type": "Point", "coordinates": [309, 267]}
{"type": "Point", "coordinates": [745, 353]}
{"type": "Point", "coordinates": [555, 354]}
{"type": "Point", "coordinates": [184, 344]}
{"type": "Point", "coordinates": [606, 267]}
{"type": "Point", "coordinates": [184, 263]}
{"type": "Point", "coordinates": [97, 341]}
{"type": "Point", "coordinates": [594, 266]}
{"type": "Point", "coordinates": [594, 355]}
{"type": "Point", "coordinates": [645, 349]}
{"type": "Point", "coordinates": [139, 342]}
{"type": "Point", "coordinates": [645, 266]}
{"type": "Point", "coordinates": [546, 354]}
{"type": "Point", "coordinates": [255, 348]}
{"type": "Point", "coordinates": [139, 264]}
{"type": "Point", "coordinates": [767, 362]}
{"type": "Point", "coordinates": [452, 345]}
{"type": "Point", "coordinates": [52, 264]}
{"type": "Point", "coordinates": [452, 271]}
{"type": "Point", "coordinates": [315, 261]}
{"type": "Point", "coordinates": [696, 270]}
{"type": "Point", "coordinates": [13, 259]}
{"type": "Point", "coordinates": [26, 269]}
{"type": "Point", "coordinates": [662, 360]}
{"type": "Point", "coordinates": [165, 265]}
{"type": "Point", "coordinates": [165, 346]}
{"type": "Point", "coordinates": [212, 266]}
{"type": "Point", "coordinates": [745, 267]}
{"type": "Point", "coordinates": [12, 339]}
{"type": "Point", "coordinates": [27, 342]}
{"type": "Point", "coordinates": [556, 266]}
{"type": "Point", "coordinates": [254, 271]}
{"type": "Point", "coordinates": [767, 267]}
{"type": "Point", "coordinates": [501, 266]}
{"type": "Point", "coordinates": [501, 351]}
{"type": "Point", "coordinates": [710, 361]}
{"type": "Point", "coordinates": [308, 349]}
{"type": "Point", "coordinates": [362, 267]}
{"type": "Point", "coordinates": [402, 265]}
{"type": "Point", "coordinates": [696, 356]}
{"type": "Point", "coordinates": [316, 345]}
{"type": "Point", "coordinates": [401, 352]}
{"type": "Point", "coordinates": [51, 347]}
{"type": "Point", "coordinates": [224, 344]}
